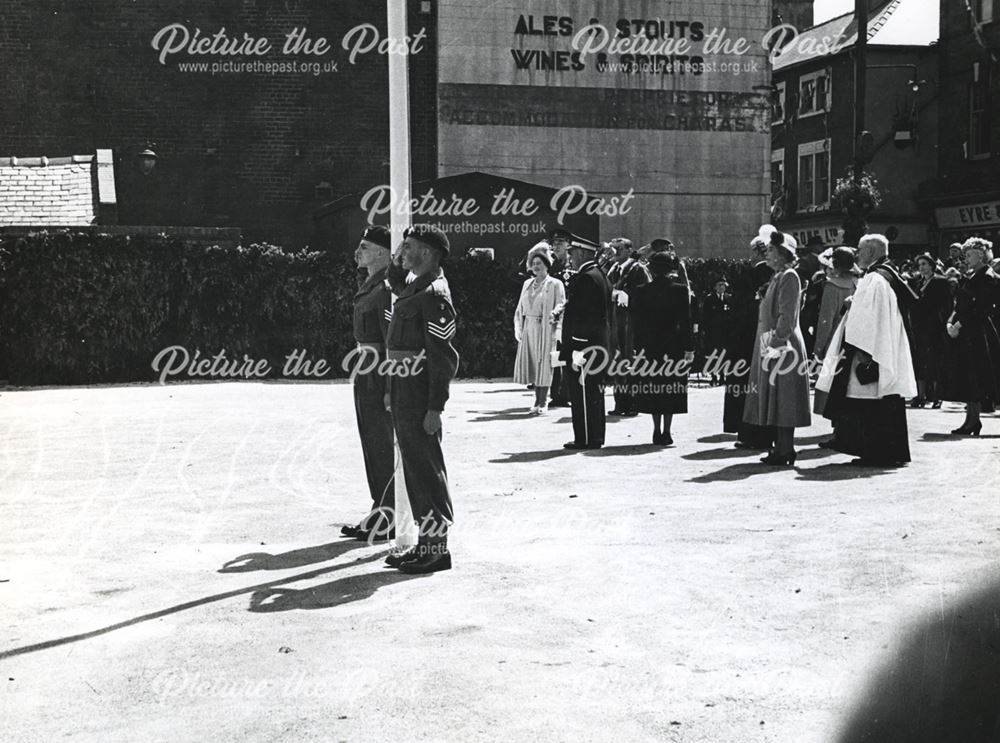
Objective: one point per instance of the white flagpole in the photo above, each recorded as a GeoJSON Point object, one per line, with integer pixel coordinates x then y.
{"type": "Point", "coordinates": [399, 182]}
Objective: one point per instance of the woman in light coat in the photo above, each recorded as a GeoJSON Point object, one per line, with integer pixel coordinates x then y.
{"type": "Point", "coordinates": [535, 330]}
{"type": "Point", "coordinates": [779, 372]}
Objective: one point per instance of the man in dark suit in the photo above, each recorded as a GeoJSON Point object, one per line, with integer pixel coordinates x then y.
{"type": "Point", "coordinates": [716, 316]}
{"type": "Point", "coordinates": [586, 335]}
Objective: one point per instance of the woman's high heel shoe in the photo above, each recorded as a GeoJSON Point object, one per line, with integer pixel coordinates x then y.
{"type": "Point", "coordinates": [918, 402]}
{"type": "Point", "coordinates": [779, 460]}
{"type": "Point", "coordinates": [968, 430]}
{"type": "Point", "coordinates": [936, 405]}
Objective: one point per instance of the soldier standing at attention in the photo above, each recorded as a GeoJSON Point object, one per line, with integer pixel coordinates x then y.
{"type": "Point", "coordinates": [419, 339]}
{"type": "Point", "coordinates": [372, 304]}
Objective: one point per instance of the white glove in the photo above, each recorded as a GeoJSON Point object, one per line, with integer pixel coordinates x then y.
{"type": "Point", "coordinates": [620, 297]}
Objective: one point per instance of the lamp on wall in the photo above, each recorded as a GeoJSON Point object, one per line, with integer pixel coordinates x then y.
{"type": "Point", "coordinates": [147, 159]}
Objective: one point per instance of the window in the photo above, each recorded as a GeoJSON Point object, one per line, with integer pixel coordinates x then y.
{"type": "Point", "coordinates": [814, 93]}
{"type": "Point", "coordinates": [778, 103]}
{"type": "Point", "coordinates": [983, 10]}
{"type": "Point", "coordinates": [777, 174]}
{"type": "Point", "coordinates": [814, 175]}
{"type": "Point", "coordinates": [979, 121]}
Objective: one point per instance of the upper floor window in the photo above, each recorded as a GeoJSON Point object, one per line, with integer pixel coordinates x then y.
{"type": "Point", "coordinates": [814, 93]}
{"type": "Point", "coordinates": [814, 175]}
{"type": "Point", "coordinates": [777, 174]}
{"type": "Point", "coordinates": [778, 103]}
{"type": "Point", "coordinates": [979, 108]}
{"type": "Point", "coordinates": [983, 10]}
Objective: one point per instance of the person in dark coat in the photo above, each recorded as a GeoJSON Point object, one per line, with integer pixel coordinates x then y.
{"type": "Point", "coordinates": [975, 356]}
{"type": "Point", "coordinates": [928, 326]}
{"type": "Point", "coordinates": [716, 317]}
{"type": "Point", "coordinates": [741, 344]}
{"type": "Point", "coordinates": [586, 339]}
{"type": "Point", "coordinates": [661, 317]}
{"type": "Point", "coordinates": [807, 266]}
{"type": "Point", "coordinates": [626, 275]}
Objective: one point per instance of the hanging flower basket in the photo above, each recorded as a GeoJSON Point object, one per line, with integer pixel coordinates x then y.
{"type": "Point", "coordinates": [856, 196]}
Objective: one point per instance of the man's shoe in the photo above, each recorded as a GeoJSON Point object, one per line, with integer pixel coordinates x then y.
{"type": "Point", "coordinates": [616, 413]}
{"type": "Point", "coordinates": [375, 536]}
{"type": "Point", "coordinates": [575, 446]}
{"type": "Point", "coordinates": [427, 560]}
{"type": "Point", "coordinates": [351, 531]}
{"type": "Point", "coordinates": [394, 561]}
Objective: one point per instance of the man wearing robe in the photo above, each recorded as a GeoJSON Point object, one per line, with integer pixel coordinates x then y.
{"type": "Point", "coordinates": [868, 372]}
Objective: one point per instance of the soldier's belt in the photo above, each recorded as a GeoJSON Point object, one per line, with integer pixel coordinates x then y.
{"type": "Point", "coordinates": [400, 355]}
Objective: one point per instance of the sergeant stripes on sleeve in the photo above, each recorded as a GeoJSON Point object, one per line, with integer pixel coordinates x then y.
{"type": "Point", "coordinates": [443, 331]}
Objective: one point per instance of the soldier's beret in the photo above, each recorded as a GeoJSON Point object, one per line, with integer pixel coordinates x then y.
{"type": "Point", "coordinates": [429, 235]}
{"type": "Point", "coordinates": [376, 233]}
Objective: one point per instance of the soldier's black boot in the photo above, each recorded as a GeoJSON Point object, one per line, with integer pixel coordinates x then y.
{"type": "Point", "coordinates": [429, 558]}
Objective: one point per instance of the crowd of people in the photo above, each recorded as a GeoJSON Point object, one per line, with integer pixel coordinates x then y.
{"type": "Point", "coordinates": [867, 335]}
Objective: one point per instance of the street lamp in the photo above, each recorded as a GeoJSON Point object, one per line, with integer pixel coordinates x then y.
{"type": "Point", "coordinates": [147, 159]}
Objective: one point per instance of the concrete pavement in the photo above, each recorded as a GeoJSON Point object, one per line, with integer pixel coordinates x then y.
{"type": "Point", "coordinates": [171, 570]}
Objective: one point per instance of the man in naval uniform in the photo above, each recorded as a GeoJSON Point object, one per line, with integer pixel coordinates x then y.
{"type": "Point", "coordinates": [586, 325]}
{"type": "Point", "coordinates": [372, 308]}
{"type": "Point", "coordinates": [419, 347]}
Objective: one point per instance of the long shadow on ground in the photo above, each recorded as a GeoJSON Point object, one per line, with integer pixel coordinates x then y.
{"type": "Point", "coordinates": [184, 607]}
{"type": "Point", "coordinates": [286, 560]}
{"type": "Point", "coordinates": [328, 595]}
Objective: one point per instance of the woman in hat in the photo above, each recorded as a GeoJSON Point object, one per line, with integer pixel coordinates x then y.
{"type": "Point", "coordinates": [841, 281]}
{"type": "Point", "coordinates": [975, 356]}
{"type": "Point", "coordinates": [741, 345]}
{"type": "Point", "coordinates": [535, 330]}
{"type": "Point", "coordinates": [661, 318]}
{"type": "Point", "coordinates": [779, 380]}
{"type": "Point", "coordinates": [928, 330]}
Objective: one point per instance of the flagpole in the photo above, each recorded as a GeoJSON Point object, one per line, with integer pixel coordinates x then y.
{"type": "Point", "coordinates": [399, 182]}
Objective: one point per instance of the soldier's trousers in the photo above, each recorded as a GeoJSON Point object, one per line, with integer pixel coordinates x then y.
{"type": "Point", "coordinates": [426, 476]}
{"type": "Point", "coordinates": [587, 403]}
{"type": "Point", "coordinates": [375, 428]}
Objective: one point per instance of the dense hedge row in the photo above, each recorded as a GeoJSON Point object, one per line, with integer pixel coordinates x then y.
{"type": "Point", "coordinates": [81, 308]}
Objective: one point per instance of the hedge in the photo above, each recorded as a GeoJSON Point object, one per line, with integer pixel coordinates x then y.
{"type": "Point", "coordinates": [85, 308]}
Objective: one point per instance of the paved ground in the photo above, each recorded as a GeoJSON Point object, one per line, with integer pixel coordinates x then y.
{"type": "Point", "coordinates": [636, 593]}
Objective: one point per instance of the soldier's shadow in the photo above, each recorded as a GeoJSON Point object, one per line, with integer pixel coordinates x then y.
{"type": "Point", "coordinates": [254, 561]}
{"type": "Point", "coordinates": [942, 685]}
{"type": "Point", "coordinates": [526, 457]}
{"type": "Point", "coordinates": [335, 593]}
{"type": "Point", "coordinates": [511, 414]}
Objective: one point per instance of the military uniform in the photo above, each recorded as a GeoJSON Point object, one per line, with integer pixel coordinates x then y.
{"type": "Point", "coordinates": [586, 323]}
{"type": "Point", "coordinates": [423, 321]}
{"type": "Point", "coordinates": [372, 304]}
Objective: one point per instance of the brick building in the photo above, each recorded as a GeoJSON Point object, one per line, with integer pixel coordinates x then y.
{"type": "Point", "coordinates": [813, 136]}
{"type": "Point", "coordinates": [255, 149]}
{"type": "Point", "coordinates": [965, 197]}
